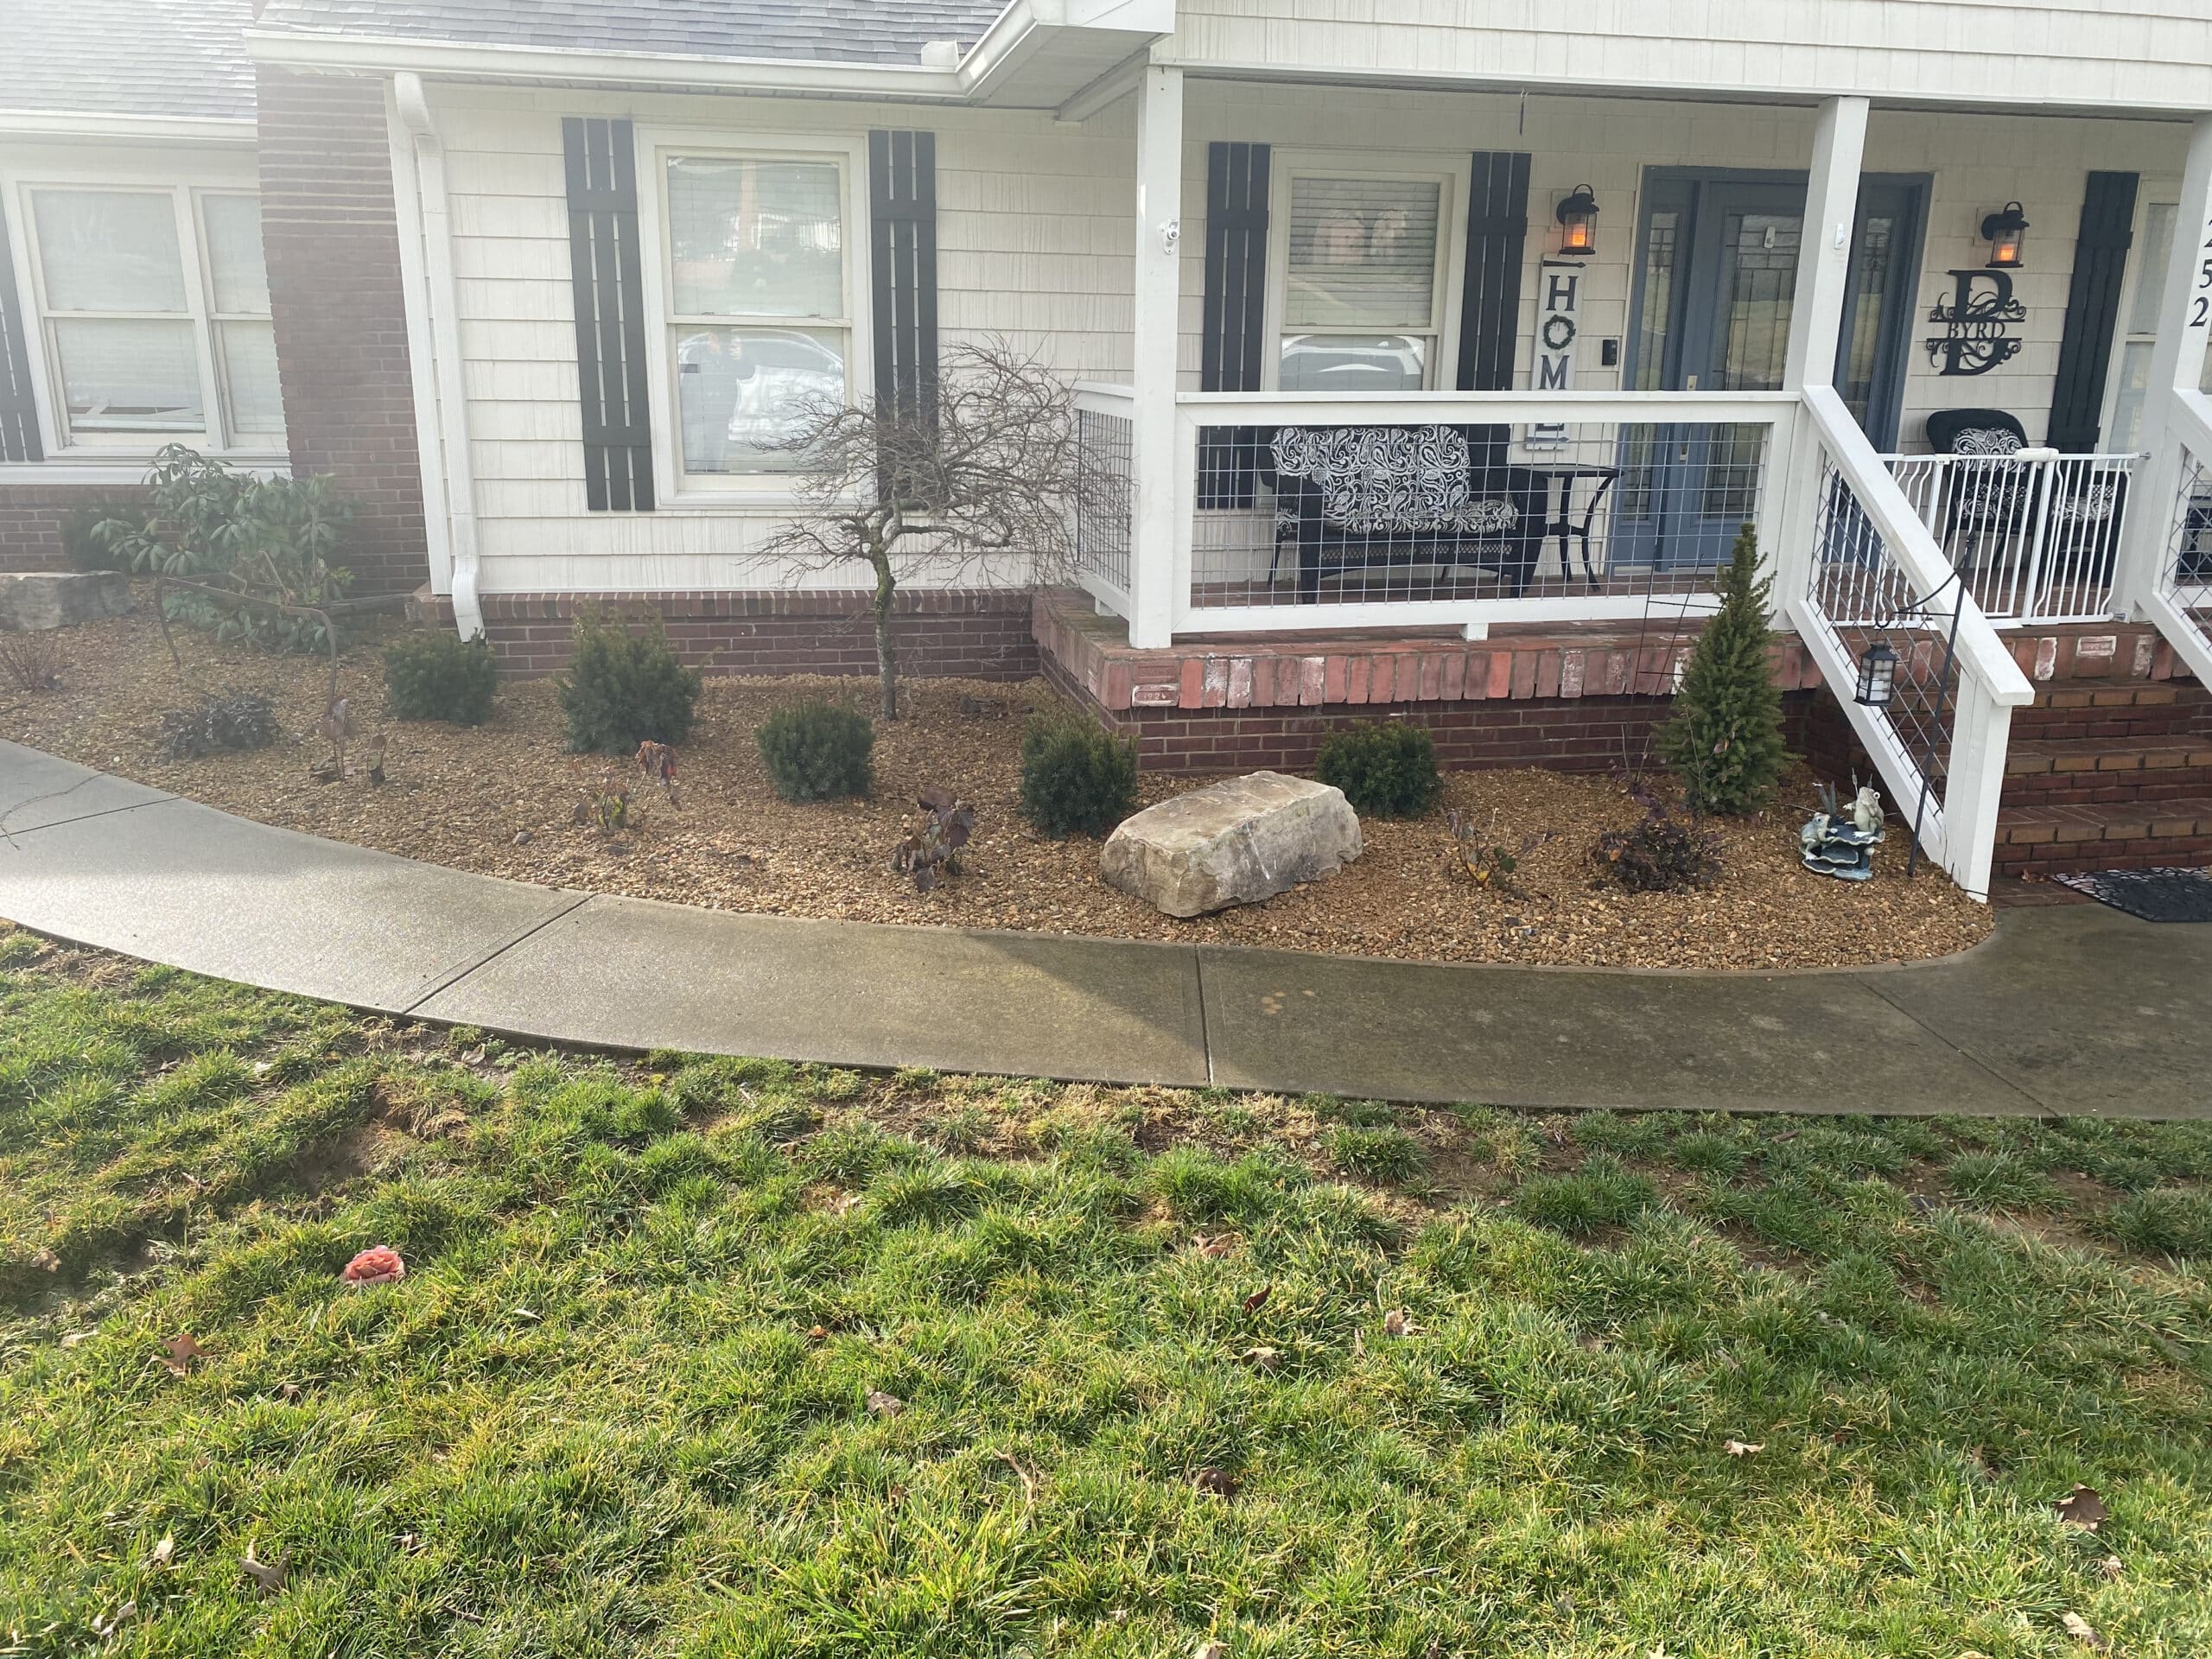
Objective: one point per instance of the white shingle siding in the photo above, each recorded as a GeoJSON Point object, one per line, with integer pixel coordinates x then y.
{"type": "Point", "coordinates": [2152, 54]}
{"type": "Point", "coordinates": [1034, 243]}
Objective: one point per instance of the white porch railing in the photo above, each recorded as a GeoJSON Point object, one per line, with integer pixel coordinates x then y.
{"type": "Point", "coordinates": [1874, 573]}
{"type": "Point", "coordinates": [1105, 503]}
{"type": "Point", "coordinates": [1569, 505]}
{"type": "Point", "coordinates": [2180, 599]}
{"type": "Point", "coordinates": [2035, 533]}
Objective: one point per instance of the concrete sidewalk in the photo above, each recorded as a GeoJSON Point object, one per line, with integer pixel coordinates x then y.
{"type": "Point", "coordinates": [2071, 1009]}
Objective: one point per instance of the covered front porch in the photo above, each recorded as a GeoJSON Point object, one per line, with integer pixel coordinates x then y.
{"type": "Point", "coordinates": [1384, 395]}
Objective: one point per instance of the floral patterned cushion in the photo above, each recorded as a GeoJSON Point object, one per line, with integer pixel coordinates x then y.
{"type": "Point", "coordinates": [1390, 480]}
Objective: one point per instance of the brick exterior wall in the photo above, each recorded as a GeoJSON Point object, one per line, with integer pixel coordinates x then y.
{"type": "Point", "coordinates": [964, 633]}
{"type": "Point", "coordinates": [331, 240]}
{"type": "Point", "coordinates": [32, 516]}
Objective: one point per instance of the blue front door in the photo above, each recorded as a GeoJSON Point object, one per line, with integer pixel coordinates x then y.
{"type": "Point", "coordinates": [1716, 279]}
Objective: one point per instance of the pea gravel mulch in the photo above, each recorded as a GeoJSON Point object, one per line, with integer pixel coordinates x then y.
{"type": "Point", "coordinates": [499, 798]}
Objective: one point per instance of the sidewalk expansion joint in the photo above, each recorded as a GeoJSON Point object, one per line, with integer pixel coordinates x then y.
{"type": "Point", "coordinates": [2044, 1109]}
{"type": "Point", "coordinates": [484, 958]}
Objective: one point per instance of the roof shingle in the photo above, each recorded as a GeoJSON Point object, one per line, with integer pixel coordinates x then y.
{"type": "Point", "coordinates": [840, 31]}
{"type": "Point", "coordinates": [127, 57]}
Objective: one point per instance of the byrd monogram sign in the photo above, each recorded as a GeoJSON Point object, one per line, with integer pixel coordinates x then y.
{"type": "Point", "coordinates": [1977, 323]}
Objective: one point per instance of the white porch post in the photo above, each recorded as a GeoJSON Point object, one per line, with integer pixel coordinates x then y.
{"type": "Point", "coordinates": [1153, 461]}
{"type": "Point", "coordinates": [1815, 329]}
{"type": "Point", "coordinates": [2176, 363]}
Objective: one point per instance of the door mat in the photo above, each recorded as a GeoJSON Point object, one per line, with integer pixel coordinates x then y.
{"type": "Point", "coordinates": [2154, 895]}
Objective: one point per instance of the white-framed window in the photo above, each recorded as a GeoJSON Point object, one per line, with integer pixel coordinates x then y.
{"type": "Point", "coordinates": [753, 270]}
{"type": "Point", "coordinates": [2137, 333]}
{"type": "Point", "coordinates": [153, 317]}
{"type": "Point", "coordinates": [1364, 261]}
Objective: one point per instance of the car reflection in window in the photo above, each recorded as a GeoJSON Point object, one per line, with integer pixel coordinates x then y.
{"type": "Point", "coordinates": [744, 393]}
{"type": "Point", "coordinates": [1352, 363]}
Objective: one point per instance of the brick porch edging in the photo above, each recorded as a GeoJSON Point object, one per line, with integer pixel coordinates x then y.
{"type": "Point", "coordinates": [942, 632]}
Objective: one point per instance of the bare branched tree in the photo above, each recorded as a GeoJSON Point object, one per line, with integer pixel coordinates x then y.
{"type": "Point", "coordinates": [980, 475]}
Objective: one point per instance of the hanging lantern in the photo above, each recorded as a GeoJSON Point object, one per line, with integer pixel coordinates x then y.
{"type": "Point", "coordinates": [1878, 675]}
{"type": "Point", "coordinates": [1578, 223]}
{"type": "Point", "coordinates": [2003, 231]}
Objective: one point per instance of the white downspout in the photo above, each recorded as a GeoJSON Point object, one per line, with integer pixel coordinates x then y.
{"type": "Point", "coordinates": [443, 304]}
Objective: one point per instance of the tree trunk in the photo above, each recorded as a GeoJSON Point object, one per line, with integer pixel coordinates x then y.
{"type": "Point", "coordinates": [887, 660]}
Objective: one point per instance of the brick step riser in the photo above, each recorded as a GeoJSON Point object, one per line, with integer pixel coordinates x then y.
{"type": "Point", "coordinates": [2106, 788]}
{"type": "Point", "coordinates": [2070, 858]}
{"type": "Point", "coordinates": [2041, 725]}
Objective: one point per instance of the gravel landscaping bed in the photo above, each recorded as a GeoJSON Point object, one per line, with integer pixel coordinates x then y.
{"type": "Point", "coordinates": [500, 799]}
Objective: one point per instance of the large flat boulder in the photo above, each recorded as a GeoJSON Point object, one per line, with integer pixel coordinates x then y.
{"type": "Point", "coordinates": [1235, 842]}
{"type": "Point", "coordinates": [30, 600]}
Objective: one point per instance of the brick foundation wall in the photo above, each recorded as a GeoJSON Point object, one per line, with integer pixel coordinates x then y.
{"type": "Point", "coordinates": [32, 518]}
{"type": "Point", "coordinates": [331, 240]}
{"type": "Point", "coordinates": [941, 633]}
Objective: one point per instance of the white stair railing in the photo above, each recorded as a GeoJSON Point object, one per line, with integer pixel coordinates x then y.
{"type": "Point", "coordinates": [1859, 568]}
{"type": "Point", "coordinates": [2179, 600]}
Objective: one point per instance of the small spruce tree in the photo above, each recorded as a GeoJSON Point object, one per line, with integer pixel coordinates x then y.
{"type": "Point", "coordinates": [1725, 740]}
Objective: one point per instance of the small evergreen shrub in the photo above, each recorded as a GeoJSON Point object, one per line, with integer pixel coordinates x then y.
{"type": "Point", "coordinates": [435, 674]}
{"type": "Point", "coordinates": [1076, 779]}
{"type": "Point", "coordinates": [1385, 772]}
{"type": "Point", "coordinates": [624, 689]}
{"type": "Point", "coordinates": [234, 721]}
{"type": "Point", "coordinates": [817, 750]}
{"type": "Point", "coordinates": [1725, 740]}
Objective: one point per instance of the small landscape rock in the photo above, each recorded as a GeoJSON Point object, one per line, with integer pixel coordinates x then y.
{"type": "Point", "coordinates": [522, 837]}
{"type": "Point", "coordinates": [34, 600]}
{"type": "Point", "coordinates": [1234, 843]}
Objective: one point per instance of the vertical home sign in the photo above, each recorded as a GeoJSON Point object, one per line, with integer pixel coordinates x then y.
{"type": "Point", "coordinates": [1559, 305]}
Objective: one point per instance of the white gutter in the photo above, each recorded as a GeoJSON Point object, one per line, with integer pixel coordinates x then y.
{"type": "Point", "coordinates": [441, 298]}
{"type": "Point", "coordinates": [152, 129]}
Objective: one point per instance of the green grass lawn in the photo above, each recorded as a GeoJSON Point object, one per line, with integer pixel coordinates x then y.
{"type": "Point", "coordinates": [621, 1401]}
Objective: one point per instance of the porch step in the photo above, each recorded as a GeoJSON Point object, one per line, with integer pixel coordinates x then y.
{"type": "Point", "coordinates": [2104, 775]}
{"type": "Point", "coordinates": [2109, 709]}
{"type": "Point", "coordinates": [2112, 835]}
{"type": "Point", "coordinates": [2089, 771]}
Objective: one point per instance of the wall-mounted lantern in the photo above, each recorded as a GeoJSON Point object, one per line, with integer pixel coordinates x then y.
{"type": "Point", "coordinates": [1878, 675]}
{"type": "Point", "coordinates": [1578, 223]}
{"type": "Point", "coordinates": [2003, 230]}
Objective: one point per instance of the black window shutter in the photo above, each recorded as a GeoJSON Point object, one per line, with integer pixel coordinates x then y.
{"type": "Point", "coordinates": [19, 438]}
{"type": "Point", "coordinates": [604, 267]}
{"type": "Point", "coordinates": [902, 264]}
{"type": "Point", "coordinates": [2077, 398]}
{"type": "Point", "coordinates": [1232, 334]}
{"type": "Point", "coordinates": [1489, 295]}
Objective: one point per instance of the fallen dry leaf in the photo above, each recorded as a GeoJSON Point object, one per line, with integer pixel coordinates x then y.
{"type": "Point", "coordinates": [269, 1575]}
{"type": "Point", "coordinates": [881, 1404]}
{"type": "Point", "coordinates": [71, 1340]}
{"type": "Point", "coordinates": [1258, 1298]}
{"type": "Point", "coordinates": [409, 1542]}
{"type": "Point", "coordinates": [288, 1390]}
{"type": "Point", "coordinates": [106, 1627]}
{"type": "Point", "coordinates": [2111, 1567]}
{"type": "Point", "coordinates": [2083, 1508]}
{"type": "Point", "coordinates": [1743, 1448]}
{"type": "Point", "coordinates": [2080, 1629]}
{"type": "Point", "coordinates": [164, 1552]}
{"type": "Point", "coordinates": [182, 1350]}
{"type": "Point", "coordinates": [1359, 1344]}
{"type": "Point", "coordinates": [815, 1333]}
{"type": "Point", "coordinates": [1211, 1650]}
{"type": "Point", "coordinates": [1218, 1244]}
{"type": "Point", "coordinates": [1398, 1324]}
{"type": "Point", "coordinates": [1216, 1483]}
{"type": "Point", "coordinates": [46, 1262]}
{"type": "Point", "coordinates": [1262, 1359]}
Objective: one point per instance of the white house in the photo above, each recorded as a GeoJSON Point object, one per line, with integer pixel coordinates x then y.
{"type": "Point", "coordinates": [1444, 348]}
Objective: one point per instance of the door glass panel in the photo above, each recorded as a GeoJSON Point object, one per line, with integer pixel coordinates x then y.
{"type": "Point", "coordinates": [1653, 326]}
{"type": "Point", "coordinates": [1870, 287]}
{"type": "Point", "coordinates": [1760, 276]}
{"type": "Point", "coordinates": [1759, 254]}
